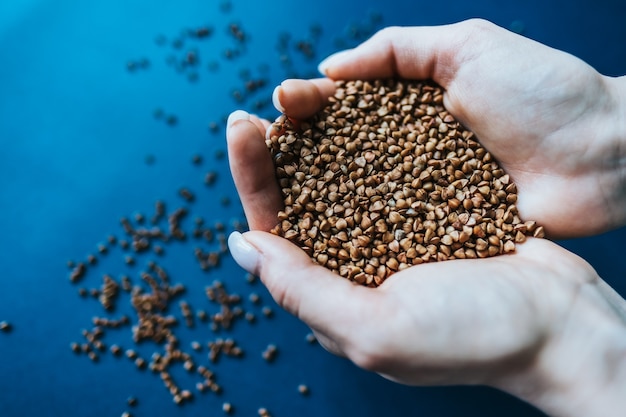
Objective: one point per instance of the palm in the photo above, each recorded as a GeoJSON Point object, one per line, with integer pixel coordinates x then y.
{"type": "Point", "coordinates": [537, 119]}
{"type": "Point", "coordinates": [500, 321]}
{"type": "Point", "coordinates": [508, 297]}
{"type": "Point", "coordinates": [552, 120]}
{"type": "Point", "coordinates": [461, 320]}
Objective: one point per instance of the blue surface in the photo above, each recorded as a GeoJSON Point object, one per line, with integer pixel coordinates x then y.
{"type": "Point", "coordinates": [76, 129]}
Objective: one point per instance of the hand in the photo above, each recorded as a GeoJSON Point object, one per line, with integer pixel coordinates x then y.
{"type": "Point", "coordinates": [539, 323]}
{"type": "Point", "coordinates": [556, 125]}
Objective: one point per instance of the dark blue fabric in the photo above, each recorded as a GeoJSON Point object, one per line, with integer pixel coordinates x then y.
{"type": "Point", "coordinates": [80, 147]}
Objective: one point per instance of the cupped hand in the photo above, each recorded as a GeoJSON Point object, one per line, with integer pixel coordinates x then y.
{"type": "Point", "coordinates": [463, 321]}
{"type": "Point", "coordinates": [535, 323]}
{"type": "Point", "coordinates": [531, 323]}
{"type": "Point", "coordinates": [555, 124]}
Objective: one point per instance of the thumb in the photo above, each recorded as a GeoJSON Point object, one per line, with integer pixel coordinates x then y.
{"type": "Point", "coordinates": [421, 52]}
{"type": "Point", "coordinates": [325, 301]}
{"type": "Point", "coordinates": [406, 52]}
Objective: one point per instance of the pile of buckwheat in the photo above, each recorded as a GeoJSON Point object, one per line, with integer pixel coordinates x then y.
{"type": "Point", "coordinates": [384, 178]}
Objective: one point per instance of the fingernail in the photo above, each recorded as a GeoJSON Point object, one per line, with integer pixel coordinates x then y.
{"type": "Point", "coordinates": [236, 115]}
{"type": "Point", "coordinates": [332, 60]}
{"type": "Point", "coordinates": [246, 255]}
{"type": "Point", "coordinates": [276, 100]}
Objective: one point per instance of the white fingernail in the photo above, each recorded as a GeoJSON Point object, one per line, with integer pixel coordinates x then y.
{"type": "Point", "coordinates": [246, 255]}
{"type": "Point", "coordinates": [333, 59]}
{"type": "Point", "coordinates": [237, 115]}
{"type": "Point", "coordinates": [276, 100]}
{"type": "Point", "coordinates": [234, 116]}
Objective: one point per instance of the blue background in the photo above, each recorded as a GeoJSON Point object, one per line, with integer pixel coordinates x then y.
{"type": "Point", "coordinates": [77, 135]}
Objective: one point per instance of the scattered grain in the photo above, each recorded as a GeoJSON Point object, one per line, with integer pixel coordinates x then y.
{"type": "Point", "coordinates": [270, 352]}
{"type": "Point", "coordinates": [267, 311]}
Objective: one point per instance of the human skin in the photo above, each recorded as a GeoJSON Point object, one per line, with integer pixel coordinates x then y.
{"type": "Point", "coordinates": [556, 125]}
{"type": "Point", "coordinates": [538, 323]}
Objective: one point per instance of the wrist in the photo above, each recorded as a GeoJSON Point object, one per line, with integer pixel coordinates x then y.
{"type": "Point", "coordinates": [587, 376]}
{"type": "Point", "coordinates": [581, 369]}
{"type": "Point", "coordinates": [614, 133]}
{"type": "Point", "coordinates": [617, 86]}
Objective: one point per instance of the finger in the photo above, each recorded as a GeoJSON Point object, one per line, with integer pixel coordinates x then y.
{"type": "Point", "coordinates": [330, 305]}
{"type": "Point", "coordinates": [428, 52]}
{"type": "Point", "coordinates": [261, 124]}
{"type": "Point", "coordinates": [253, 171]}
{"type": "Point", "coordinates": [300, 99]}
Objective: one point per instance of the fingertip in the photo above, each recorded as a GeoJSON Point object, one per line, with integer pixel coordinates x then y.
{"type": "Point", "coordinates": [278, 248]}
{"type": "Point", "coordinates": [235, 117]}
{"type": "Point", "coordinates": [322, 67]}
{"type": "Point", "coordinates": [245, 254]}
{"type": "Point", "coordinates": [276, 96]}
{"type": "Point", "coordinates": [238, 133]}
{"type": "Point", "coordinates": [260, 123]}
{"type": "Point", "coordinates": [310, 291]}
{"type": "Point", "coordinates": [300, 99]}
{"type": "Point", "coordinates": [253, 173]}
{"type": "Point", "coordinates": [325, 86]}
{"type": "Point", "coordinates": [325, 67]}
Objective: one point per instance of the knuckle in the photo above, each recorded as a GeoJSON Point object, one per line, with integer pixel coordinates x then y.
{"type": "Point", "coordinates": [387, 33]}
{"type": "Point", "coordinates": [478, 25]}
{"type": "Point", "coordinates": [368, 354]}
{"type": "Point", "coordinates": [473, 35]}
{"type": "Point", "coordinates": [476, 30]}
